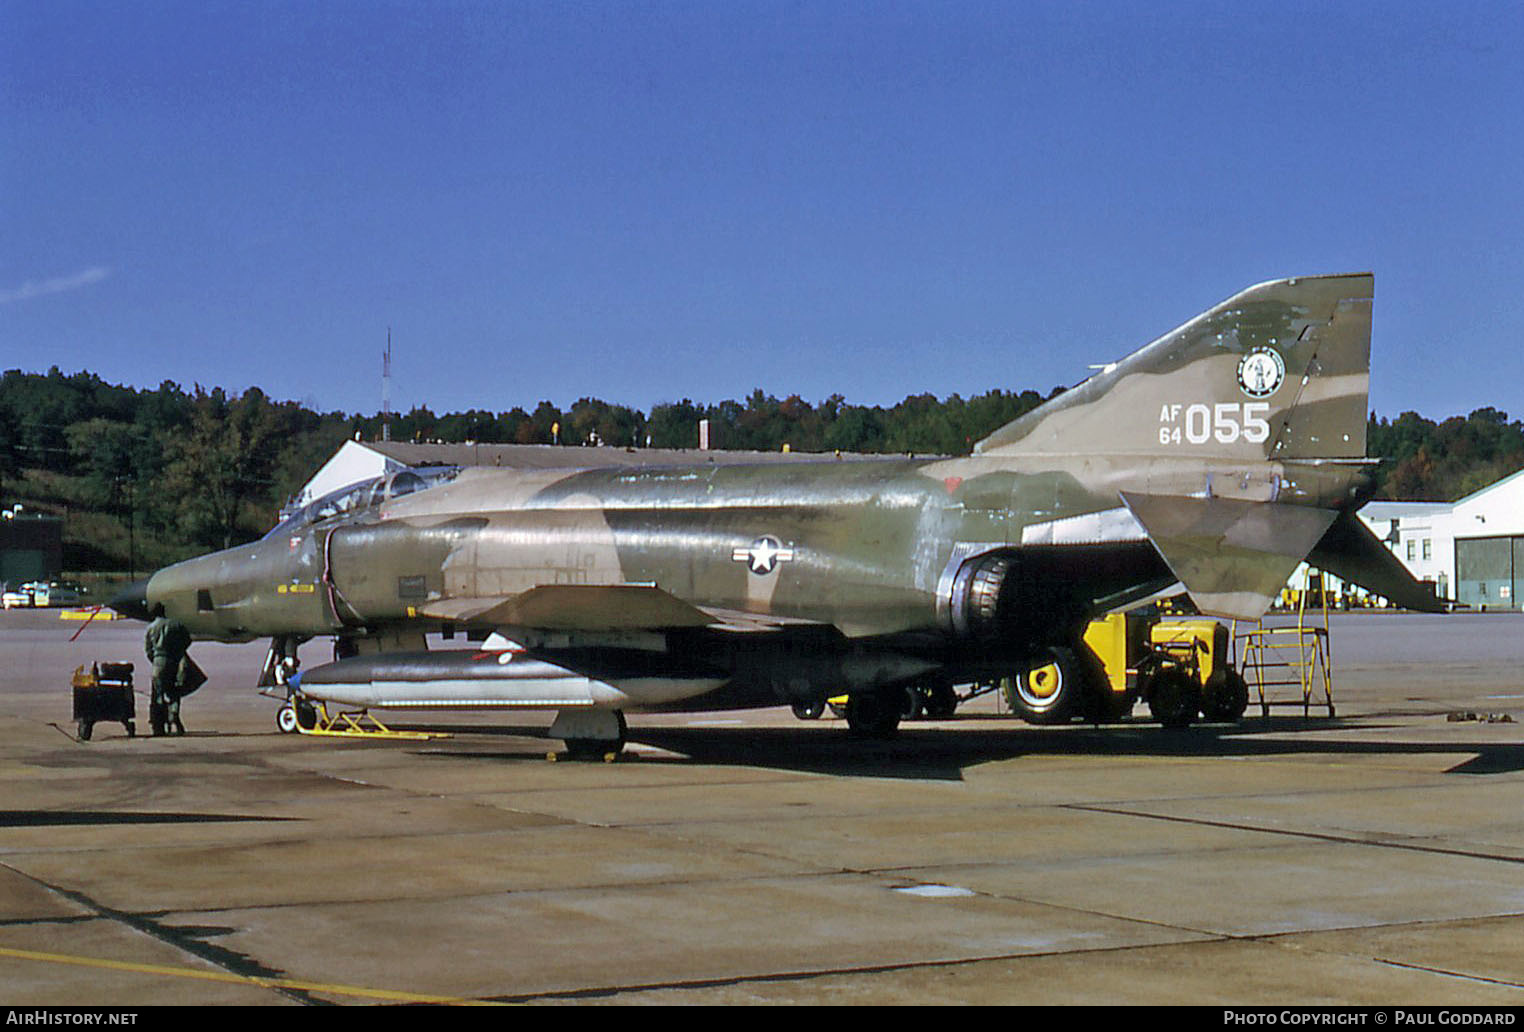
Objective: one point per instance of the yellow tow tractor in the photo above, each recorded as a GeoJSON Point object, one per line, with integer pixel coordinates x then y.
{"type": "Point", "coordinates": [1182, 668]}
{"type": "Point", "coordinates": [1211, 686]}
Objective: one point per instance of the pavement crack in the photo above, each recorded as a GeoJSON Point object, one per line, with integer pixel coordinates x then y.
{"type": "Point", "coordinates": [1409, 845]}
{"type": "Point", "coordinates": [1446, 972]}
{"type": "Point", "coordinates": [1296, 941]}
{"type": "Point", "coordinates": [191, 939]}
{"type": "Point", "coordinates": [763, 978]}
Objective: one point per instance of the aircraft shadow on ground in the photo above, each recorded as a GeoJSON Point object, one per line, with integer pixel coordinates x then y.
{"type": "Point", "coordinates": [943, 753]}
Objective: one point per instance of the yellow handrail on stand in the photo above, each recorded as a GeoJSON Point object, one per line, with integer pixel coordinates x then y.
{"type": "Point", "coordinates": [1291, 657]}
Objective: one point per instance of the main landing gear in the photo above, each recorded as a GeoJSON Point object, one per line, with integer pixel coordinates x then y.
{"type": "Point", "coordinates": [874, 714]}
{"type": "Point", "coordinates": [878, 714]}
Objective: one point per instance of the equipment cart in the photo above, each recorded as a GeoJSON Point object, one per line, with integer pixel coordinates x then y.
{"type": "Point", "coordinates": [104, 692]}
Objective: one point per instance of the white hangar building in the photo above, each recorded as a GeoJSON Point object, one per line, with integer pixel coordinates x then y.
{"type": "Point", "coordinates": [1488, 531]}
{"type": "Point", "coordinates": [1471, 550]}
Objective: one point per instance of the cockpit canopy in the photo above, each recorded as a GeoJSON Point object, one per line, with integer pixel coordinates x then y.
{"type": "Point", "coordinates": [365, 496]}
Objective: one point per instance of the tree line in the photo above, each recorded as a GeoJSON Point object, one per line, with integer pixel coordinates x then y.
{"type": "Point", "coordinates": [155, 474]}
{"type": "Point", "coordinates": [1441, 462]}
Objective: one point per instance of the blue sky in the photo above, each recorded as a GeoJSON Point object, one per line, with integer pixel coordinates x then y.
{"type": "Point", "coordinates": [649, 201]}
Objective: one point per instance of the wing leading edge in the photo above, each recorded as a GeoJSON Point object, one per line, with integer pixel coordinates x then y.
{"type": "Point", "coordinates": [601, 607]}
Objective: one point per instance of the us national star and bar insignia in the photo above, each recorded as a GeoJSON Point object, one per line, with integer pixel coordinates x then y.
{"type": "Point", "coordinates": [763, 555]}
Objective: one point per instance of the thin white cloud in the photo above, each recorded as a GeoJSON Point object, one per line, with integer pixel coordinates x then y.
{"type": "Point", "coordinates": [56, 285]}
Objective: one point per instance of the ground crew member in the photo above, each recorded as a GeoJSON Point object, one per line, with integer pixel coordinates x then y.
{"type": "Point", "coordinates": [166, 643]}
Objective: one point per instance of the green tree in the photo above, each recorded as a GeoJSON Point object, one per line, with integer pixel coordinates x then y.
{"type": "Point", "coordinates": [674, 424]}
{"type": "Point", "coordinates": [223, 463]}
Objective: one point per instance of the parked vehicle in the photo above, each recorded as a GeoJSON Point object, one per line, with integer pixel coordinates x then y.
{"type": "Point", "coordinates": [43, 594]}
{"type": "Point", "coordinates": [23, 597]}
{"type": "Point", "coordinates": [56, 594]}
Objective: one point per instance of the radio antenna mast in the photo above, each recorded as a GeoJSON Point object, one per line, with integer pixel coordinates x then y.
{"type": "Point", "coordinates": [386, 388]}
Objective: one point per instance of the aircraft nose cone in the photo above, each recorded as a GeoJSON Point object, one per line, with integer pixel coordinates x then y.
{"type": "Point", "coordinates": [132, 601]}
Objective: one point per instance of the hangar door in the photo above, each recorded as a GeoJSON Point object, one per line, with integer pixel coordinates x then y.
{"type": "Point", "coordinates": [18, 565]}
{"type": "Point", "coordinates": [1489, 571]}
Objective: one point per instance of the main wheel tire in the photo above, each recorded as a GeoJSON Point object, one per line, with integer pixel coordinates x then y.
{"type": "Point", "coordinates": [913, 703]}
{"type": "Point", "coordinates": [1174, 698]}
{"type": "Point", "coordinates": [873, 714]}
{"type": "Point", "coordinates": [1225, 696]}
{"type": "Point", "coordinates": [1048, 693]}
{"type": "Point", "coordinates": [809, 710]}
{"type": "Point", "coordinates": [85, 728]}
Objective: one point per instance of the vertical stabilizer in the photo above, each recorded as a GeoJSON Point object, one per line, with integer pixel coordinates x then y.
{"type": "Point", "coordinates": [1279, 371]}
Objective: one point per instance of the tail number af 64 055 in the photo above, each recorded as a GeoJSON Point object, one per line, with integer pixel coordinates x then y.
{"type": "Point", "coordinates": [1225, 422]}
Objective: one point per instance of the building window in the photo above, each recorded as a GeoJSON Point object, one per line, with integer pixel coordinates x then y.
{"type": "Point", "coordinates": [1428, 550]}
{"type": "Point", "coordinates": [1412, 550]}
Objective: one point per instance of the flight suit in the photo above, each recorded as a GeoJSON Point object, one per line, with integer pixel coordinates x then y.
{"type": "Point", "coordinates": [166, 644]}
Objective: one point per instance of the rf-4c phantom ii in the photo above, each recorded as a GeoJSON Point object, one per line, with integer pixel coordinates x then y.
{"type": "Point", "coordinates": [1219, 457]}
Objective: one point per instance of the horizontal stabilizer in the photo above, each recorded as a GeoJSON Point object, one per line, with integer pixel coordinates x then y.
{"type": "Point", "coordinates": [1232, 556]}
{"type": "Point", "coordinates": [576, 607]}
{"type": "Point", "coordinates": [1351, 552]}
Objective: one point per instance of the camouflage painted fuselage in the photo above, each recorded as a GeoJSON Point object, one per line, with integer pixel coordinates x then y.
{"type": "Point", "coordinates": [867, 547]}
{"type": "Point", "coordinates": [1220, 456]}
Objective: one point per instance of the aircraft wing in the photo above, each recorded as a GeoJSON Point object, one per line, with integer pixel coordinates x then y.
{"type": "Point", "coordinates": [576, 607]}
{"type": "Point", "coordinates": [599, 607]}
{"type": "Point", "coordinates": [740, 620]}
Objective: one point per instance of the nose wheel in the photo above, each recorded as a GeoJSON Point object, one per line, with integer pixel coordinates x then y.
{"type": "Point", "coordinates": [296, 714]}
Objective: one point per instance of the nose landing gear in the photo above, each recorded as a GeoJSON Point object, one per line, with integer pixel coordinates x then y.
{"type": "Point", "coordinates": [297, 714]}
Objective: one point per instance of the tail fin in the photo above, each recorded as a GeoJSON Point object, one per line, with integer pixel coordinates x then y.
{"type": "Point", "coordinates": [1279, 371]}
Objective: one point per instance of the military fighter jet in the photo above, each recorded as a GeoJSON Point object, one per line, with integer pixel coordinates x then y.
{"type": "Point", "coordinates": [1220, 456]}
